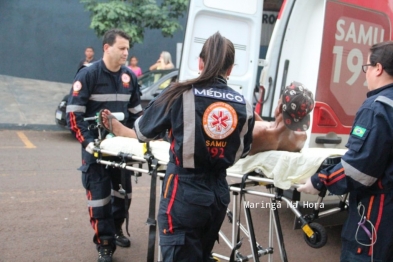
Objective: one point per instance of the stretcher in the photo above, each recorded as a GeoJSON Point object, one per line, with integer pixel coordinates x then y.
{"type": "Point", "coordinates": [275, 170]}
{"type": "Point", "coordinates": [284, 168]}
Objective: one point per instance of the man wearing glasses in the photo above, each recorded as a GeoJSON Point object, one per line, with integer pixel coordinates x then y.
{"type": "Point", "coordinates": [366, 170]}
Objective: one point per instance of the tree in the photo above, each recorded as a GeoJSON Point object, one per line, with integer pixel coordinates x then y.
{"type": "Point", "coordinates": [133, 16]}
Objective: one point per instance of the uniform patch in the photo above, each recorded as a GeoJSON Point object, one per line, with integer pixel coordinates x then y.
{"type": "Point", "coordinates": [219, 120]}
{"type": "Point", "coordinates": [76, 87]}
{"type": "Point", "coordinates": [359, 131]}
{"type": "Point", "coordinates": [220, 94]}
{"type": "Point", "coordinates": [126, 80]}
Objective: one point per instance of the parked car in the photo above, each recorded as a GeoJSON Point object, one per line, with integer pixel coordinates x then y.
{"type": "Point", "coordinates": [60, 114]}
{"type": "Point", "coordinates": [151, 84]}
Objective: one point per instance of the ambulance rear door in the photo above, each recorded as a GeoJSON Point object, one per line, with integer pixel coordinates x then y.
{"type": "Point", "coordinates": [293, 52]}
{"type": "Point", "coordinates": [240, 22]}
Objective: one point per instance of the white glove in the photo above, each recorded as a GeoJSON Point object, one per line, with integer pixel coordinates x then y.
{"type": "Point", "coordinates": [308, 188]}
{"type": "Point", "coordinates": [90, 148]}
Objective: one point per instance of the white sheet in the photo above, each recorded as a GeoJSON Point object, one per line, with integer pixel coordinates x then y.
{"type": "Point", "coordinates": [285, 168]}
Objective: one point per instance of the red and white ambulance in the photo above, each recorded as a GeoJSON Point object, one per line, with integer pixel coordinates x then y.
{"type": "Point", "coordinates": [323, 44]}
{"type": "Point", "coordinates": [319, 43]}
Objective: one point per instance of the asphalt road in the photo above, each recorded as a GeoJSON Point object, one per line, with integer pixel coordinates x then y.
{"type": "Point", "coordinates": [44, 214]}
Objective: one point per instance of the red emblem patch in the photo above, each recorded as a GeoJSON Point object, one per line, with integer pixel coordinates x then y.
{"type": "Point", "coordinates": [126, 80]}
{"type": "Point", "coordinates": [219, 120]}
{"type": "Point", "coordinates": [76, 87]}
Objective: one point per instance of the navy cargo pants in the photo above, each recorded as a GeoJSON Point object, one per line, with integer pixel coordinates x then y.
{"type": "Point", "coordinates": [106, 205]}
{"type": "Point", "coordinates": [192, 209]}
{"type": "Point", "coordinates": [356, 242]}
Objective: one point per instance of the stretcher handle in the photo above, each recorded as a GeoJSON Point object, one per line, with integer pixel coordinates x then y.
{"type": "Point", "coordinates": [118, 115]}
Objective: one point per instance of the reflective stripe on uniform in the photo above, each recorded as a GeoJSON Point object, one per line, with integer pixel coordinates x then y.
{"type": "Point", "coordinates": [250, 114]}
{"type": "Point", "coordinates": [74, 127]}
{"type": "Point", "coordinates": [358, 176]}
{"type": "Point", "coordinates": [135, 110]}
{"type": "Point", "coordinates": [170, 204]}
{"type": "Point", "coordinates": [138, 131]}
{"type": "Point", "coordinates": [379, 217]}
{"type": "Point", "coordinates": [123, 97]}
{"type": "Point", "coordinates": [110, 97]}
{"type": "Point", "coordinates": [75, 108]}
{"type": "Point", "coordinates": [385, 100]}
{"type": "Point", "coordinates": [118, 195]}
{"type": "Point", "coordinates": [99, 202]}
{"type": "Point", "coordinates": [189, 129]}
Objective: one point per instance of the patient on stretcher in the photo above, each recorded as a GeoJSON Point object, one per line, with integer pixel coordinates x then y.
{"type": "Point", "coordinates": [272, 150]}
{"type": "Point", "coordinates": [286, 133]}
{"type": "Point", "coordinates": [292, 119]}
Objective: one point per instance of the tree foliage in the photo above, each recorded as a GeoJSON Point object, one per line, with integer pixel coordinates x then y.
{"type": "Point", "coordinates": [133, 16]}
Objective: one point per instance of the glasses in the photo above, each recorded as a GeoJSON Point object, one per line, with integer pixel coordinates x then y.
{"type": "Point", "coordinates": [364, 67]}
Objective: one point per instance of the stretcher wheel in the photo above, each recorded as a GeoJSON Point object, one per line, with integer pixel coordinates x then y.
{"type": "Point", "coordinates": [320, 238]}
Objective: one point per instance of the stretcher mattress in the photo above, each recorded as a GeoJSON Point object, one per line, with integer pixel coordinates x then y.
{"type": "Point", "coordinates": [285, 168]}
{"type": "Point", "coordinates": [159, 149]}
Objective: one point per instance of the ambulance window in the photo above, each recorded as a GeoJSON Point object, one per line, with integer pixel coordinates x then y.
{"type": "Point", "coordinates": [245, 6]}
{"type": "Point", "coordinates": [272, 5]}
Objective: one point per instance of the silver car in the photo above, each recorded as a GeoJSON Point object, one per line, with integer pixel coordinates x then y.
{"type": "Point", "coordinates": [153, 82]}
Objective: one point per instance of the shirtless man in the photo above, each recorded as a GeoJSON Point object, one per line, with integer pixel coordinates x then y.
{"type": "Point", "coordinates": [292, 119]}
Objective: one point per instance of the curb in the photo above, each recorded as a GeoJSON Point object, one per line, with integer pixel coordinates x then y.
{"type": "Point", "coordinates": [34, 127]}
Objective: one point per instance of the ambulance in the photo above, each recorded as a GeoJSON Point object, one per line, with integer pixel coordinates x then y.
{"type": "Point", "coordinates": [319, 43]}
{"type": "Point", "coordinates": [323, 45]}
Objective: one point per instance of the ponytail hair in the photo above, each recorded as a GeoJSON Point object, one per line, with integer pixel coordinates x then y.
{"type": "Point", "coordinates": [217, 54]}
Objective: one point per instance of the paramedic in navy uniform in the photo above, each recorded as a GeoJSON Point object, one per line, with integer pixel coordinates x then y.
{"type": "Point", "coordinates": [366, 170]}
{"type": "Point", "coordinates": [106, 83]}
{"type": "Point", "coordinates": [210, 128]}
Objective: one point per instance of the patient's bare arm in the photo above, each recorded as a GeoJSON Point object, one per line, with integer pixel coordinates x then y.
{"type": "Point", "coordinates": [263, 139]}
{"type": "Point", "coordinates": [117, 128]}
{"type": "Point", "coordinates": [276, 136]}
{"type": "Point", "coordinates": [289, 140]}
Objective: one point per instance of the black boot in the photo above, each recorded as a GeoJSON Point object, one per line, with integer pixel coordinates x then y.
{"type": "Point", "coordinates": [121, 239]}
{"type": "Point", "coordinates": [105, 253]}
